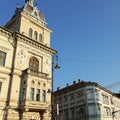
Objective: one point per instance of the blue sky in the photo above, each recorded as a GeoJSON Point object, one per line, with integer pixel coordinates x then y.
{"type": "Point", "coordinates": [86, 34]}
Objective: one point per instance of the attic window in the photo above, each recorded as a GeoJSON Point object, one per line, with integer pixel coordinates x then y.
{"type": "Point", "coordinates": [35, 13]}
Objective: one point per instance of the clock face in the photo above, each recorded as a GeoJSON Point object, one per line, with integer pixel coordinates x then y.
{"type": "Point", "coordinates": [21, 57]}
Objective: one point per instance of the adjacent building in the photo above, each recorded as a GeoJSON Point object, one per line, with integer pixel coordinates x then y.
{"type": "Point", "coordinates": [25, 66]}
{"type": "Point", "coordinates": [86, 101]}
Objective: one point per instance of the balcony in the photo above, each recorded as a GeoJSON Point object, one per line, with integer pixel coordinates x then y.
{"type": "Point", "coordinates": [35, 73]}
{"type": "Point", "coordinates": [34, 105]}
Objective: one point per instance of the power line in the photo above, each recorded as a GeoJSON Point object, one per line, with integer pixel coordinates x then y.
{"type": "Point", "coordinates": [113, 85]}
{"type": "Point", "coordinates": [89, 61]}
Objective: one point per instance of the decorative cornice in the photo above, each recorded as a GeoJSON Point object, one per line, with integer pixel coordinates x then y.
{"type": "Point", "coordinates": [79, 85]}
{"type": "Point", "coordinates": [34, 43]}
{"type": "Point", "coordinates": [27, 40]}
{"type": "Point", "coordinates": [29, 17]}
{"type": "Point", "coordinates": [4, 70]}
{"type": "Point", "coordinates": [5, 31]}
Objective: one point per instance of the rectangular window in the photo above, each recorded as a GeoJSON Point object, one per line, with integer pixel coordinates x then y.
{"type": "Point", "coordinates": [90, 94]}
{"type": "Point", "coordinates": [38, 95]}
{"type": "Point", "coordinates": [72, 111]}
{"type": "Point", "coordinates": [2, 58]}
{"type": "Point", "coordinates": [72, 96]}
{"type": "Point", "coordinates": [105, 99]}
{"type": "Point", "coordinates": [65, 97]}
{"type": "Point", "coordinates": [91, 109]}
{"type": "Point", "coordinates": [43, 95]}
{"type": "Point", "coordinates": [107, 111]}
{"type": "Point", "coordinates": [32, 90]}
{"type": "Point", "coordinates": [66, 114]}
{"type": "Point", "coordinates": [0, 86]}
{"type": "Point", "coordinates": [24, 94]}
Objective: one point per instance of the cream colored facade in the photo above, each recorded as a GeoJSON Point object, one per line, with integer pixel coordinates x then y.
{"type": "Point", "coordinates": [86, 101]}
{"type": "Point", "coordinates": [25, 66]}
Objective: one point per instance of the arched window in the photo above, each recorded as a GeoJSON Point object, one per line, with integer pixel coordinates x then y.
{"type": "Point", "coordinates": [2, 58]}
{"type": "Point", "coordinates": [35, 35]}
{"type": "Point", "coordinates": [34, 64]}
{"type": "Point", "coordinates": [35, 13]}
{"type": "Point", "coordinates": [30, 32]}
{"type": "Point", "coordinates": [40, 38]}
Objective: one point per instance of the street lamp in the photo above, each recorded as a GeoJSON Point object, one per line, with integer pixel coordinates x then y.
{"type": "Point", "coordinates": [54, 66]}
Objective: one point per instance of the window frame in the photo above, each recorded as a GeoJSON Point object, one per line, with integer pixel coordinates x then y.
{"type": "Point", "coordinates": [0, 86]}
{"type": "Point", "coordinates": [30, 32]}
{"type": "Point", "coordinates": [2, 58]}
{"type": "Point", "coordinates": [34, 64]}
{"type": "Point", "coordinates": [32, 92]}
{"type": "Point", "coordinates": [35, 35]}
{"type": "Point", "coordinates": [107, 111]}
{"type": "Point", "coordinates": [105, 99]}
{"type": "Point", "coordinates": [40, 38]}
{"type": "Point", "coordinates": [35, 14]}
{"type": "Point", "coordinates": [44, 95]}
{"type": "Point", "coordinates": [37, 94]}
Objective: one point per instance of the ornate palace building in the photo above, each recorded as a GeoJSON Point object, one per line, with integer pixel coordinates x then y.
{"type": "Point", "coordinates": [25, 66]}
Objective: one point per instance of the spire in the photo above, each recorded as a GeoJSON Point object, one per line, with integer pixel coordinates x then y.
{"type": "Point", "coordinates": [30, 2]}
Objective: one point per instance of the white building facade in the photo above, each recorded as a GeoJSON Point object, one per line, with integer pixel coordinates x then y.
{"type": "Point", "coordinates": [86, 101]}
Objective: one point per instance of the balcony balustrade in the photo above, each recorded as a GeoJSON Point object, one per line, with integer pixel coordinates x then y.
{"type": "Point", "coordinates": [36, 73]}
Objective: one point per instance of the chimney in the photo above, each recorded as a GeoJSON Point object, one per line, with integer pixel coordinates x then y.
{"type": "Point", "coordinates": [67, 85]}
{"type": "Point", "coordinates": [79, 80]}
{"type": "Point", "coordinates": [74, 82]}
{"type": "Point", "coordinates": [58, 88]}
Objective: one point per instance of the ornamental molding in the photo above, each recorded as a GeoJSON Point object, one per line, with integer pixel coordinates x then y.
{"type": "Point", "coordinates": [21, 57]}
{"type": "Point", "coordinates": [35, 44]}
{"type": "Point", "coordinates": [27, 40]}
{"type": "Point", "coordinates": [5, 32]}
{"type": "Point", "coordinates": [3, 78]}
{"type": "Point", "coordinates": [2, 48]}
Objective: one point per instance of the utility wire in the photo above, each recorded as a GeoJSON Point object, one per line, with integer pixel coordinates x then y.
{"type": "Point", "coordinates": [113, 85]}
{"type": "Point", "coordinates": [88, 61]}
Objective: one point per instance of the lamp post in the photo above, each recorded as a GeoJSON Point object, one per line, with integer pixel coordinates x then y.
{"type": "Point", "coordinates": [54, 66]}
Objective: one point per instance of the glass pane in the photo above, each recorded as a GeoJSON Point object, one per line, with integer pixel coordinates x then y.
{"type": "Point", "coordinates": [40, 37]}
{"type": "Point", "coordinates": [35, 35]}
{"type": "Point", "coordinates": [32, 94]}
{"type": "Point", "coordinates": [34, 64]}
{"type": "Point", "coordinates": [2, 58]}
{"type": "Point", "coordinates": [30, 32]}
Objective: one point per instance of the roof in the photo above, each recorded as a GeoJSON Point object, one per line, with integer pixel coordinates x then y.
{"type": "Point", "coordinates": [117, 94]}
{"type": "Point", "coordinates": [30, 9]}
{"type": "Point", "coordinates": [78, 85]}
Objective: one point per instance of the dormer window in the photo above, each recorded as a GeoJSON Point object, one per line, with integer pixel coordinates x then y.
{"type": "Point", "coordinates": [30, 32]}
{"type": "Point", "coordinates": [35, 13]}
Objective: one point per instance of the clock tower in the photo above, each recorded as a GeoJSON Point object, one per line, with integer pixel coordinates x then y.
{"type": "Point", "coordinates": [26, 61]}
